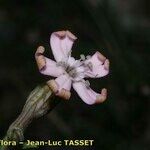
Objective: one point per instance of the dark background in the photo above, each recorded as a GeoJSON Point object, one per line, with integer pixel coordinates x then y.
{"type": "Point", "coordinates": [119, 29]}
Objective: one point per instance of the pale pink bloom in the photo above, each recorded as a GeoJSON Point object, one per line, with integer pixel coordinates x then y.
{"type": "Point", "coordinates": [70, 72]}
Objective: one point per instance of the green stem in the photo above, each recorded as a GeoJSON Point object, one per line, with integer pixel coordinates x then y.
{"type": "Point", "coordinates": [40, 102]}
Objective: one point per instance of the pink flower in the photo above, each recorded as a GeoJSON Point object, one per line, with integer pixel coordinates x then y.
{"type": "Point", "coordinates": [70, 72]}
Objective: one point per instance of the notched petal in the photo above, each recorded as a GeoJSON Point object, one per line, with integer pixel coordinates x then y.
{"type": "Point", "coordinates": [102, 97]}
{"type": "Point", "coordinates": [61, 44]}
{"type": "Point", "coordinates": [89, 96]}
{"type": "Point", "coordinates": [65, 94]}
{"type": "Point", "coordinates": [60, 34]}
{"type": "Point", "coordinates": [40, 60]}
{"type": "Point", "coordinates": [106, 64]}
{"type": "Point", "coordinates": [101, 57]}
{"type": "Point", "coordinates": [100, 66]}
{"type": "Point", "coordinates": [61, 87]}
{"type": "Point", "coordinates": [70, 35]}
{"type": "Point", "coordinates": [63, 34]}
{"type": "Point", "coordinates": [40, 50]}
{"type": "Point", "coordinates": [53, 85]}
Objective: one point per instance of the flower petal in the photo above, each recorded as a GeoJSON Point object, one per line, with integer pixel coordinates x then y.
{"type": "Point", "coordinates": [88, 95]}
{"type": "Point", "coordinates": [71, 61]}
{"type": "Point", "coordinates": [80, 73]}
{"type": "Point", "coordinates": [47, 66]}
{"type": "Point", "coordinates": [61, 43]}
{"type": "Point", "coordinates": [98, 64]}
{"type": "Point", "coordinates": [61, 86]}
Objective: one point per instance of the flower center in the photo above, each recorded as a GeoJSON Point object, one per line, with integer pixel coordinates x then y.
{"type": "Point", "coordinates": [71, 70]}
{"type": "Point", "coordinates": [76, 68]}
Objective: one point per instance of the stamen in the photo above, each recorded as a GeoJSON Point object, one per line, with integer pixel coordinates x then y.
{"type": "Point", "coordinates": [88, 56]}
{"type": "Point", "coordinates": [82, 57]}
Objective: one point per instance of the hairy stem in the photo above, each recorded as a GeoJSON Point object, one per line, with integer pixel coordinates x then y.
{"type": "Point", "coordinates": [40, 102]}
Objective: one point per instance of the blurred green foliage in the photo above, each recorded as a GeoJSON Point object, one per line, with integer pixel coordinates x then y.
{"type": "Point", "coordinates": [118, 29]}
